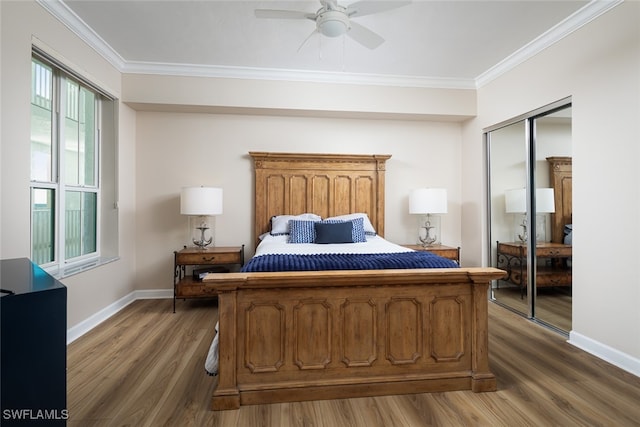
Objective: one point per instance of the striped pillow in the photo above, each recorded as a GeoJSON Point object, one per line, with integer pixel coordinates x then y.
{"type": "Point", "coordinates": [301, 231]}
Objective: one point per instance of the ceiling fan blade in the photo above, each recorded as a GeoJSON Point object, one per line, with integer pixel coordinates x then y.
{"type": "Point", "coordinates": [284, 14]}
{"type": "Point", "coordinates": [364, 36]}
{"type": "Point", "coordinates": [314, 32]}
{"type": "Point", "coordinates": [329, 4]}
{"type": "Point", "coordinates": [365, 7]}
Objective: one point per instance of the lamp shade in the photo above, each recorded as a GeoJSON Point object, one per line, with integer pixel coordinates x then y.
{"type": "Point", "coordinates": [201, 201]}
{"type": "Point", "coordinates": [516, 200]}
{"type": "Point", "coordinates": [545, 201]}
{"type": "Point", "coordinates": [428, 201]}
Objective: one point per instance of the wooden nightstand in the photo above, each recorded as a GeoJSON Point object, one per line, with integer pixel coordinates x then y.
{"type": "Point", "coordinates": [219, 258]}
{"type": "Point", "coordinates": [441, 250]}
{"type": "Point", "coordinates": [551, 262]}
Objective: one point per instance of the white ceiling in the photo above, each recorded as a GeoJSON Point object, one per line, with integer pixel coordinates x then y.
{"type": "Point", "coordinates": [428, 43]}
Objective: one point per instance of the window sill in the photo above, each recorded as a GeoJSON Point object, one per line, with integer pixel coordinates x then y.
{"type": "Point", "coordinates": [80, 267]}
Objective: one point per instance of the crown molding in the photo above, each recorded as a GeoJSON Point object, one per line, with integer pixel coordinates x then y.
{"type": "Point", "coordinates": [199, 70]}
{"type": "Point", "coordinates": [575, 21]}
{"type": "Point", "coordinates": [72, 21]}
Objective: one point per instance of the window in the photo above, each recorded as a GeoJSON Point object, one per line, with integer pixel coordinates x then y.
{"type": "Point", "coordinates": [66, 199]}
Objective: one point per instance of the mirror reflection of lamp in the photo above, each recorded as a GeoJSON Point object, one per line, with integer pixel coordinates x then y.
{"type": "Point", "coordinates": [426, 202]}
{"type": "Point", "coordinates": [201, 204]}
{"type": "Point", "coordinates": [516, 203]}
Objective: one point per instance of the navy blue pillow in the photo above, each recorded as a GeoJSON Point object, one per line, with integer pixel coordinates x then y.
{"type": "Point", "coordinates": [358, 235]}
{"type": "Point", "coordinates": [340, 232]}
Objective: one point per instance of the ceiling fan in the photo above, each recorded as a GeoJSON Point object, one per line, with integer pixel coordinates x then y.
{"type": "Point", "coordinates": [333, 20]}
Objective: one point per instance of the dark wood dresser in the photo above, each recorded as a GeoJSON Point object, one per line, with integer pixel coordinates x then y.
{"type": "Point", "coordinates": [33, 365]}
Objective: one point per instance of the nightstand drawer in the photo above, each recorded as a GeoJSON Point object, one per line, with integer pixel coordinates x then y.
{"type": "Point", "coordinates": [209, 258]}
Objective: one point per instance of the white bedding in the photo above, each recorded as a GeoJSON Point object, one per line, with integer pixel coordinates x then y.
{"type": "Point", "coordinates": [374, 244]}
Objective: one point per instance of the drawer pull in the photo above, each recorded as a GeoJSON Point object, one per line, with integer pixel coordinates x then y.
{"type": "Point", "coordinates": [208, 259]}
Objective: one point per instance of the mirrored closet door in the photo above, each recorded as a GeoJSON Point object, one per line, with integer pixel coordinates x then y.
{"type": "Point", "coordinates": [529, 161]}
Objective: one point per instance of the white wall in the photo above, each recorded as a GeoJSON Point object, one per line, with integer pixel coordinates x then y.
{"type": "Point", "coordinates": [24, 23]}
{"type": "Point", "coordinates": [599, 66]}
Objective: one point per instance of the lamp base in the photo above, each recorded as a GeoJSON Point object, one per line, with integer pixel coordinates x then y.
{"type": "Point", "coordinates": [428, 230]}
{"type": "Point", "coordinates": [525, 235]}
{"type": "Point", "coordinates": [202, 230]}
{"type": "Point", "coordinates": [202, 242]}
{"type": "Point", "coordinates": [522, 232]}
{"type": "Point", "coordinates": [429, 238]}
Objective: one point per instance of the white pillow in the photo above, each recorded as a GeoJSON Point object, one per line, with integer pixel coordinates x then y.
{"type": "Point", "coordinates": [280, 223]}
{"type": "Point", "coordinates": [368, 227]}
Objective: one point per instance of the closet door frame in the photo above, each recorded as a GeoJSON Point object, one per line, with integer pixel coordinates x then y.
{"type": "Point", "coordinates": [529, 139]}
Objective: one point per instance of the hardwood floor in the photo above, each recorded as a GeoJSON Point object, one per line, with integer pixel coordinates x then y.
{"type": "Point", "coordinates": [145, 367]}
{"type": "Point", "coordinates": [553, 305]}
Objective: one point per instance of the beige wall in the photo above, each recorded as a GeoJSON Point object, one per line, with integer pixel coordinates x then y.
{"type": "Point", "coordinates": [297, 98]}
{"type": "Point", "coordinates": [184, 149]}
{"type": "Point", "coordinates": [92, 291]}
{"type": "Point", "coordinates": [599, 66]}
{"type": "Point", "coordinates": [198, 131]}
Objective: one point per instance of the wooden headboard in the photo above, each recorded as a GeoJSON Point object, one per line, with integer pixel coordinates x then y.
{"type": "Point", "coordinates": [560, 175]}
{"type": "Point", "coordinates": [324, 184]}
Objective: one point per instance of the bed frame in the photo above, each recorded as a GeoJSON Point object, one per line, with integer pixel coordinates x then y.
{"type": "Point", "coordinates": [298, 336]}
{"type": "Point", "coordinates": [560, 177]}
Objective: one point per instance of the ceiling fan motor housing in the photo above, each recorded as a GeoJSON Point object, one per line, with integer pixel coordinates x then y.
{"type": "Point", "coordinates": [333, 20]}
{"type": "Point", "coordinates": [333, 23]}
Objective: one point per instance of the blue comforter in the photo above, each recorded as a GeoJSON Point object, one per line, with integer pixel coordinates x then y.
{"type": "Point", "coordinates": [319, 262]}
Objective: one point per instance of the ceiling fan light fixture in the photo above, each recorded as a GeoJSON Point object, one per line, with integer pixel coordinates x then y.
{"type": "Point", "coordinates": [333, 20]}
{"type": "Point", "coordinates": [333, 23]}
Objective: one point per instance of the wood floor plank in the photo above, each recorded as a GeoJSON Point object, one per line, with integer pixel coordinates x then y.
{"type": "Point", "coordinates": [145, 367]}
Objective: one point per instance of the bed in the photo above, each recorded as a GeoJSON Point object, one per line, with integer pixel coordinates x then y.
{"type": "Point", "coordinates": [309, 335]}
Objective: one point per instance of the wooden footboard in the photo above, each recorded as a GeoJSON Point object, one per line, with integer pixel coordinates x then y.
{"type": "Point", "coordinates": [325, 335]}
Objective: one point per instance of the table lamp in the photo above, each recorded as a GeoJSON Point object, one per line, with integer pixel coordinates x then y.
{"type": "Point", "coordinates": [427, 202]}
{"type": "Point", "coordinates": [201, 204]}
{"type": "Point", "coordinates": [516, 203]}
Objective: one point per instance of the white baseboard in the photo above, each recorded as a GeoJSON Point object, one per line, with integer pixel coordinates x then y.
{"type": "Point", "coordinates": [606, 353]}
{"type": "Point", "coordinates": [91, 322]}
